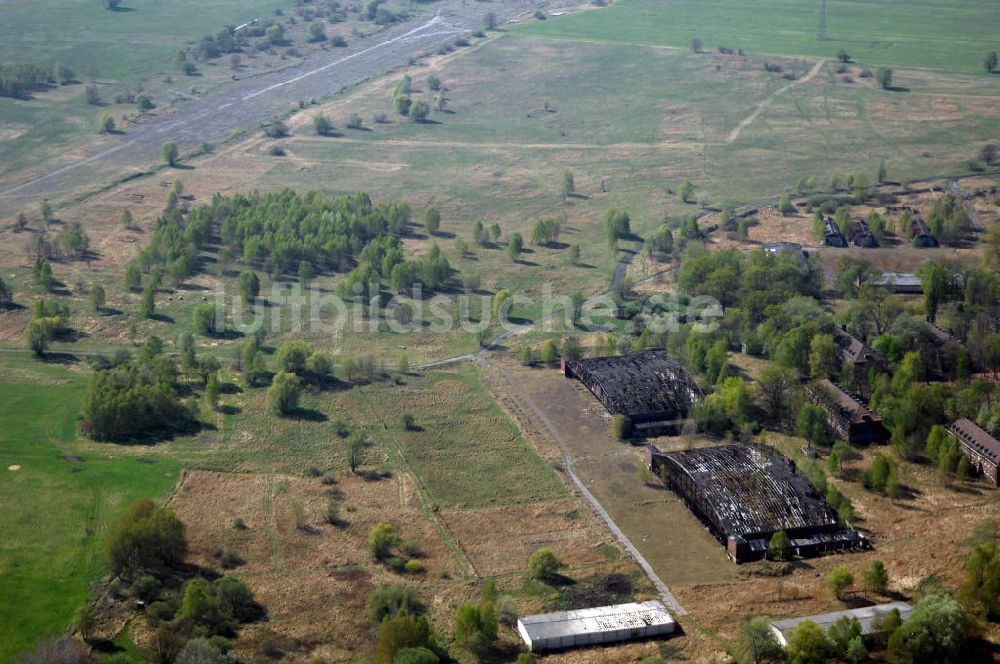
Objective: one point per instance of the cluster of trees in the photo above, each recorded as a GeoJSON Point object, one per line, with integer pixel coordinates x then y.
{"type": "Point", "coordinates": [49, 319]}
{"type": "Point", "coordinates": [18, 79]}
{"type": "Point", "coordinates": [146, 546]}
{"type": "Point", "coordinates": [545, 232]}
{"type": "Point", "coordinates": [942, 450]}
{"type": "Point", "coordinates": [280, 232]}
{"type": "Point", "coordinates": [383, 261]}
{"type": "Point", "coordinates": [941, 627]}
{"type": "Point", "coordinates": [136, 399]}
{"type": "Point", "coordinates": [948, 220]}
{"type": "Point", "coordinates": [618, 226]}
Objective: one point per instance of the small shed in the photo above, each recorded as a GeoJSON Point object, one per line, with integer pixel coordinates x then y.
{"type": "Point", "coordinates": [869, 618]}
{"type": "Point", "coordinates": [593, 626]}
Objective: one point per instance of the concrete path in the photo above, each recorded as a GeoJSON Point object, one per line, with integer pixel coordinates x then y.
{"type": "Point", "coordinates": [668, 598]}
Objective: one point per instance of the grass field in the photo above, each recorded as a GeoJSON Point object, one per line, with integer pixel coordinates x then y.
{"type": "Point", "coordinates": [138, 40]}
{"type": "Point", "coordinates": [920, 33]}
{"type": "Point", "coordinates": [58, 503]}
{"type": "Point", "coordinates": [498, 156]}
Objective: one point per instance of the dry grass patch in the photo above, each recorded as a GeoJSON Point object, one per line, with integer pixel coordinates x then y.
{"type": "Point", "coordinates": [314, 577]}
{"type": "Point", "coordinates": [499, 541]}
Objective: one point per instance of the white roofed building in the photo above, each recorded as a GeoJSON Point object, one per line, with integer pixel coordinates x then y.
{"type": "Point", "coordinates": [869, 618]}
{"type": "Point", "coordinates": [602, 624]}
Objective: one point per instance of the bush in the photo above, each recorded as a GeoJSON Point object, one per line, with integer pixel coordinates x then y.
{"type": "Point", "coordinates": [544, 565]}
{"type": "Point", "coordinates": [839, 580]}
{"type": "Point", "coordinates": [382, 540]}
{"type": "Point", "coordinates": [414, 567]}
{"type": "Point", "coordinates": [283, 395]}
{"type": "Point", "coordinates": [145, 538]}
{"type": "Point", "coordinates": [388, 601]}
{"type": "Point", "coordinates": [338, 41]}
{"type": "Point", "coordinates": [779, 547]}
{"type": "Point", "coordinates": [619, 427]}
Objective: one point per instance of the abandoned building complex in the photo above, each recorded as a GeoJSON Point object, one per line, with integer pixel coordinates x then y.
{"type": "Point", "coordinates": [601, 624]}
{"type": "Point", "coordinates": [870, 619]}
{"type": "Point", "coordinates": [846, 415]}
{"type": "Point", "coordinates": [651, 390]}
{"type": "Point", "coordinates": [746, 494]}
{"type": "Point", "coordinates": [982, 449]}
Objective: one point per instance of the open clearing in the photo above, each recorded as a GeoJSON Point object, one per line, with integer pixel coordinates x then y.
{"type": "Point", "coordinates": [57, 503]}
{"type": "Point", "coordinates": [920, 33]}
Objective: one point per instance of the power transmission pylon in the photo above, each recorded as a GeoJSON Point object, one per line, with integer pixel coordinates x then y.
{"type": "Point", "coordinates": [824, 35]}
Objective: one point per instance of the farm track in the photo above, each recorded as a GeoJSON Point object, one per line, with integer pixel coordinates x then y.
{"type": "Point", "coordinates": [750, 119]}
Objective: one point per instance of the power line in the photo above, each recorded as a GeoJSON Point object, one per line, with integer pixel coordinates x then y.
{"type": "Point", "coordinates": [824, 35]}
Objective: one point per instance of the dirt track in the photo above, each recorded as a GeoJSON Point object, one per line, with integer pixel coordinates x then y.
{"type": "Point", "coordinates": [246, 104]}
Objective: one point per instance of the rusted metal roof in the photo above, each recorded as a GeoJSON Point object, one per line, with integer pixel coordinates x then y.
{"type": "Point", "coordinates": [753, 489]}
{"type": "Point", "coordinates": [639, 384]}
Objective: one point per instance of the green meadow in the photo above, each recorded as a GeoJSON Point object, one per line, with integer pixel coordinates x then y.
{"type": "Point", "coordinates": [904, 33]}
{"type": "Point", "coordinates": [57, 505]}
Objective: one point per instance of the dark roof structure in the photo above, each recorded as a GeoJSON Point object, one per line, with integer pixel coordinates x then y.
{"type": "Point", "coordinates": [862, 236]}
{"type": "Point", "coordinates": [852, 350]}
{"type": "Point", "coordinates": [847, 415]}
{"type": "Point", "coordinates": [921, 234]}
{"type": "Point", "coordinates": [641, 386]}
{"type": "Point", "coordinates": [748, 493]}
{"type": "Point", "coordinates": [940, 336]}
{"type": "Point", "coordinates": [975, 438]}
{"type": "Point", "coordinates": [832, 237]}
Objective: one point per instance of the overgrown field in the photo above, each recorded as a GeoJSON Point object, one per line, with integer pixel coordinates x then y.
{"type": "Point", "coordinates": [520, 112]}
{"type": "Point", "coordinates": [58, 503]}
{"type": "Point", "coordinates": [134, 48]}
{"type": "Point", "coordinates": [955, 36]}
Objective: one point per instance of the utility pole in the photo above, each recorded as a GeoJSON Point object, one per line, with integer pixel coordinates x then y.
{"type": "Point", "coordinates": [824, 35]}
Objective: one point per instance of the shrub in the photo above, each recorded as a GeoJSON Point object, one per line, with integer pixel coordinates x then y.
{"type": "Point", "coordinates": [839, 580]}
{"type": "Point", "coordinates": [779, 547]}
{"type": "Point", "coordinates": [145, 537]}
{"type": "Point", "coordinates": [283, 395]}
{"type": "Point", "coordinates": [414, 567]}
{"type": "Point", "coordinates": [388, 601]}
{"type": "Point", "coordinates": [544, 565]}
{"type": "Point", "coordinates": [619, 427]}
{"type": "Point", "coordinates": [382, 539]}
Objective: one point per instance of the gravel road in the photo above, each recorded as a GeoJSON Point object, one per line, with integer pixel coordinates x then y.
{"type": "Point", "coordinates": [246, 104]}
